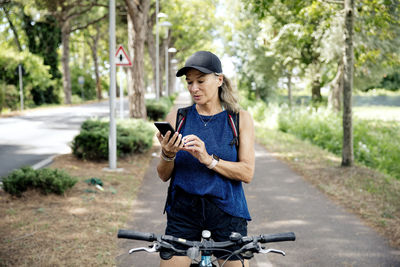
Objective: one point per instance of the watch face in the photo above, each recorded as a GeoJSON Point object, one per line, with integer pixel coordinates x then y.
{"type": "Point", "coordinates": [215, 157]}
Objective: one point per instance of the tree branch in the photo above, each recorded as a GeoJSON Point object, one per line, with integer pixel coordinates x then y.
{"type": "Point", "coordinates": [337, 2]}
{"type": "Point", "coordinates": [78, 13]}
{"type": "Point", "coordinates": [16, 37]}
{"type": "Point", "coordinates": [88, 24]}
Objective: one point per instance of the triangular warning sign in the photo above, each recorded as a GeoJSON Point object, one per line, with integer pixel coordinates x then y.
{"type": "Point", "coordinates": [121, 58]}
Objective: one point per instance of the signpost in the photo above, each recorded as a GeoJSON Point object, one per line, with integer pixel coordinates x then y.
{"type": "Point", "coordinates": [21, 72]}
{"type": "Point", "coordinates": [81, 81]}
{"type": "Point", "coordinates": [112, 139]}
{"type": "Point", "coordinates": [122, 60]}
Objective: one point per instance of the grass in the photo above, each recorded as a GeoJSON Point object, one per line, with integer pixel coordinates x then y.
{"type": "Point", "coordinates": [76, 229]}
{"type": "Point", "coordinates": [371, 195]}
{"type": "Point", "coordinates": [385, 113]}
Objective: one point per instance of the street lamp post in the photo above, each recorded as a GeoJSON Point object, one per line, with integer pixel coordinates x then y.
{"type": "Point", "coordinates": [158, 15]}
{"type": "Point", "coordinates": [157, 52]}
{"type": "Point", "coordinates": [167, 50]}
{"type": "Point", "coordinates": [166, 24]}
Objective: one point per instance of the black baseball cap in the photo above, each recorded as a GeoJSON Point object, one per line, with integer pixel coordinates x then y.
{"type": "Point", "coordinates": [203, 61]}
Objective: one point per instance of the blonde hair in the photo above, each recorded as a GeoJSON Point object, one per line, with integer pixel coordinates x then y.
{"type": "Point", "coordinates": [227, 95]}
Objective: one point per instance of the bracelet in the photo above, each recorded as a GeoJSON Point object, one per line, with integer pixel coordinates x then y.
{"type": "Point", "coordinates": [214, 162]}
{"type": "Point", "coordinates": [165, 157]}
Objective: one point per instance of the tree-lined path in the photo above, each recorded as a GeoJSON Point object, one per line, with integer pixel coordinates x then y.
{"type": "Point", "coordinates": [279, 201]}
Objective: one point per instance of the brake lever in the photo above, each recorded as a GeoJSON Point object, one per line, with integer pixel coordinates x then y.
{"type": "Point", "coordinates": [149, 250]}
{"type": "Point", "coordinates": [265, 251]}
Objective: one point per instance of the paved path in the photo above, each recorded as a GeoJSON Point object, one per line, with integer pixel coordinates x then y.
{"type": "Point", "coordinates": [38, 135]}
{"type": "Point", "coordinates": [279, 200]}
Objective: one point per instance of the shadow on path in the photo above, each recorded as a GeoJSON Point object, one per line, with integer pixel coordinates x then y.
{"type": "Point", "coordinates": [279, 200]}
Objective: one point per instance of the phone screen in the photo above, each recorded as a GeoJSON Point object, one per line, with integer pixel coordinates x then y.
{"type": "Point", "coordinates": [164, 127]}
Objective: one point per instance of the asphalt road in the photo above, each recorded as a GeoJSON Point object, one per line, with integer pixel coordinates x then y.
{"type": "Point", "coordinates": [40, 134]}
{"type": "Point", "coordinates": [279, 201]}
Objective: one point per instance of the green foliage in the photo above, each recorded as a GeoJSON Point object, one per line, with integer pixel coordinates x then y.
{"type": "Point", "coordinates": [133, 136]}
{"type": "Point", "coordinates": [376, 143]}
{"type": "Point", "coordinates": [37, 84]}
{"type": "Point", "coordinates": [9, 97]}
{"type": "Point", "coordinates": [89, 85]}
{"type": "Point", "coordinates": [46, 180]}
{"type": "Point", "coordinates": [190, 18]}
{"type": "Point", "coordinates": [391, 81]}
{"type": "Point", "coordinates": [158, 109]}
{"type": "Point", "coordinates": [44, 39]}
{"type": "Point", "coordinates": [320, 127]}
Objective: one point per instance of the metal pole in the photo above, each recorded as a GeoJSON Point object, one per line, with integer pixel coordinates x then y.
{"type": "Point", "coordinates": [21, 92]}
{"type": "Point", "coordinates": [112, 139]}
{"type": "Point", "coordinates": [121, 95]}
{"type": "Point", "coordinates": [157, 53]}
{"type": "Point", "coordinates": [166, 71]}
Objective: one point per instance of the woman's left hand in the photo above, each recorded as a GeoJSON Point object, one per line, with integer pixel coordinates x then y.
{"type": "Point", "coordinates": [196, 147]}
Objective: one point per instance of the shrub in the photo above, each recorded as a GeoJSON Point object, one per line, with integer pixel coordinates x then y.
{"type": "Point", "coordinates": [88, 87]}
{"type": "Point", "coordinates": [38, 86]}
{"type": "Point", "coordinates": [158, 109]}
{"type": "Point", "coordinates": [133, 136]}
{"type": "Point", "coordinates": [46, 180]}
{"type": "Point", "coordinates": [9, 97]}
{"type": "Point", "coordinates": [376, 143]}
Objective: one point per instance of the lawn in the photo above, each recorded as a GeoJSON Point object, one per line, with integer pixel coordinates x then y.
{"type": "Point", "coordinates": [76, 229]}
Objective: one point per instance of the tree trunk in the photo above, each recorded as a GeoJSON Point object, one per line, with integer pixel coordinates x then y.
{"type": "Point", "coordinates": [316, 88]}
{"type": "Point", "coordinates": [16, 37]}
{"type": "Point", "coordinates": [151, 46]}
{"type": "Point", "coordinates": [131, 38]}
{"type": "Point", "coordinates": [65, 36]}
{"type": "Point", "coordinates": [138, 14]}
{"type": "Point", "coordinates": [289, 85]}
{"type": "Point", "coordinates": [347, 149]}
{"type": "Point", "coordinates": [93, 46]}
{"type": "Point", "coordinates": [335, 94]}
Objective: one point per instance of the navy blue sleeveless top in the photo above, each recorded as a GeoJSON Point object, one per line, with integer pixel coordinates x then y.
{"type": "Point", "coordinates": [195, 178]}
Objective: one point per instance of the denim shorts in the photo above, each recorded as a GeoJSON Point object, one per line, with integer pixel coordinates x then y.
{"type": "Point", "coordinates": [190, 215]}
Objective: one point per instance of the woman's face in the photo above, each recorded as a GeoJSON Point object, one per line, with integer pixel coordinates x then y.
{"type": "Point", "coordinates": [203, 87]}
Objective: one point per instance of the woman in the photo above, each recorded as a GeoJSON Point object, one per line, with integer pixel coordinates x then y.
{"type": "Point", "coordinates": [208, 170]}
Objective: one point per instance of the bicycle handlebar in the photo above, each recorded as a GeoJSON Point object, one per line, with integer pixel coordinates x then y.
{"type": "Point", "coordinates": [265, 238]}
{"type": "Point", "coordinates": [128, 234]}
{"type": "Point", "coordinates": [248, 244]}
{"type": "Point", "coordinates": [290, 236]}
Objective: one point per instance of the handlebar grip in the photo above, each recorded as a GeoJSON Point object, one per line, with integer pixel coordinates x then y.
{"type": "Point", "coordinates": [290, 236]}
{"type": "Point", "coordinates": [128, 234]}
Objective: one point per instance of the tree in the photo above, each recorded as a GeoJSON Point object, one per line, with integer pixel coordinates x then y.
{"type": "Point", "coordinates": [347, 149]}
{"type": "Point", "coordinates": [309, 22]}
{"type": "Point", "coordinates": [188, 18]}
{"type": "Point", "coordinates": [254, 63]}
{"type": "Point", "coordinates": [5, 8]}
{"type": "Point", "coordinates": [93, 35]}
{"type": "Point", "coordinates": [138, 12]}
{"type": "Point", "coordinates": [71, 15]}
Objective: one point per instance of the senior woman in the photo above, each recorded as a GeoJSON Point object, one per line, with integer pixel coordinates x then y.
{"type": "Point", "coordinates": [206, 168]}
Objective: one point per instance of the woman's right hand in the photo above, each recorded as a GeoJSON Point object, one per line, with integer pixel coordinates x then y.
{"type": "Point", "coordinates": [170, 146]}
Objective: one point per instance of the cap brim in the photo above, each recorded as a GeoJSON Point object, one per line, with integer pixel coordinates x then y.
{"type": "Point", "coordinates": [183, 70]}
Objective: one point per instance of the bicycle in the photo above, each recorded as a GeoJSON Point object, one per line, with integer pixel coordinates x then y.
{"type": "Point", "coordinates": [204, 249]}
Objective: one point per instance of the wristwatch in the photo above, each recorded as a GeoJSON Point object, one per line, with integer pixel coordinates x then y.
{"type": "Point", "coordinates": [214, 162]}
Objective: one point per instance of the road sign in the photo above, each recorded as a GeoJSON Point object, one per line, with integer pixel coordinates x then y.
{"type": "Point", "coordinates": [121, 58]}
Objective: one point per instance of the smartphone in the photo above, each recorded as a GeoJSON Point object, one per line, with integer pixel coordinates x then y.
{"type": "Point", "coordinates": [164, 127]}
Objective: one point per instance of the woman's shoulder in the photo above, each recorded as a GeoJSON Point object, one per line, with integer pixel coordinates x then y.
{"type": "Point", "coordinates": [245, 114]}
{"type": "Point", "coordinates": [173, 114]}
{"type": "Point", "coordinates": [245, 119]}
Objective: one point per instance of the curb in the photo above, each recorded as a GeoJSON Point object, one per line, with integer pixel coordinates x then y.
{"type": "Point", "coordinates": [43, 163]}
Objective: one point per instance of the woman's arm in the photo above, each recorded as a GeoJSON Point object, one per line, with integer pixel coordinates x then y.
{"type": "Point", "coordinates": [243, 170]}
{"type": "Point", "coordinates": [168, 150]}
